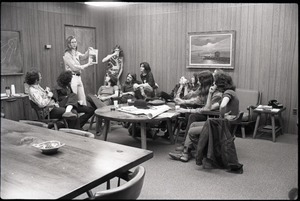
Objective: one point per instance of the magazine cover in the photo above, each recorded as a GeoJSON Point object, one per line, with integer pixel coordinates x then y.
{"type": "Point", "coordinates": [94, 56]}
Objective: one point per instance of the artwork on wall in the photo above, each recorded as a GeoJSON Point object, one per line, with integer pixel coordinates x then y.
{"type": "Point", "coordinates": [11, 53]}
{"type": "Point", "coordinates": [214, 49]}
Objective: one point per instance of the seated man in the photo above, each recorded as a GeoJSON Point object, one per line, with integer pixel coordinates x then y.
{"type": "Point", "coordinates": [65, 96]}
{"type": "Point", "coordinates": [44, 97]}
{"type": "Point", "coordinates": [179, 91]}
{"type": "Point", "coordinates": [127, 89]}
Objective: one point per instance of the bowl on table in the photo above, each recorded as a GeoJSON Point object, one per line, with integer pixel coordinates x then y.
{"type": "Point", "coordinates": [49, 147]}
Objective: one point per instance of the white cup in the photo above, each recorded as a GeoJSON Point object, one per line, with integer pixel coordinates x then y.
{"type": "Point", "coordinates": [12, 90]}
{"type": "Point", "coordinates": [116, 103]}
{"type": "Point", "coordinates": [129, 101]}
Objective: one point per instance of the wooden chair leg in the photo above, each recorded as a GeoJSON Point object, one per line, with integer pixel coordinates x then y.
{"type": "Point", "coordinates": [92, 121]}
{"type": "Point", "coordinates": [66, 123]}
{"type": "Point", "coordinates": [90, 193]}
{"type": "Point", "coordinates": [178, 131]}
{"type": "Point", "coordinates": [234, 130]}
{"type": "Point", "coordinates": [243, 132]}
{"type": "Point", "coordinates": [108, 184]}
{"type": "Point", "coordinates": [55, 126]}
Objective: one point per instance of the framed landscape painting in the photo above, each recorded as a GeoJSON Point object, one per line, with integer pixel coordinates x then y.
{"type": "Point", "coordinates": [215, 49]}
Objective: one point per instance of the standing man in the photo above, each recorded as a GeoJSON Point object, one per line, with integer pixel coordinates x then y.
{"type": "Point", "coordinates": [72, 63]}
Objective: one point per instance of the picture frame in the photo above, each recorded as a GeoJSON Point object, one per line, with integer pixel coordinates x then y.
{"type": "Point", "coordinates": [11, 53]}
{"type": "Point", "coordinates": [210, 50]}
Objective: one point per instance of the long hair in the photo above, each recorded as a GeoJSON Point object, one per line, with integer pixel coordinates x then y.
{"type": "Point", "coordinates": [121, 53]}
{"type": "Point", "coordinates": [133, 75]}
{"type": "Point", "coordinates": [146, 66]}
{"type": "Point", "coordinates": [64, 79]}
{"type": "Point", "coordinates": [32, 76]}
{"type": "Point", "coordinates": [206, 79]}
{"type": "Point", "coordinates": [112, 79]}
{"type": "Point", "coordinates": [68, 43]}
{"type": "Point", "coordinates": [224, 82]}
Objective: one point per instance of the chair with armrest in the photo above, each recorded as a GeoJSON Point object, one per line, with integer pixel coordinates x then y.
{"type": "Point", "coordinates": [248, 101]}
{"type": "Point", "coordinates": [127, 191]}
{"type": "Point", "coordinates": [43, 115]}
{"type": "Point", "coordinates": [77, 132]}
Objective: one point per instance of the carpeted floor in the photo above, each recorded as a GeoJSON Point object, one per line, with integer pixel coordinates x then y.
{"type": "Point", "coordinates": [270, 170]}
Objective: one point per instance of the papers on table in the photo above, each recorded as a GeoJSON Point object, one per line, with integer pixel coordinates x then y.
{"type": "Point", "coordinates": [266, 108]}
{"type": "Point", "coordinates": [150, 113]}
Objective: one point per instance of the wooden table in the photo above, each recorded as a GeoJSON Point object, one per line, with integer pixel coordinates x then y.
{"type": "Point", "coordinates": [274, 129]}
{"type": "Point", "coordinates": [82, 164]}
{"type": "Point", "coordinates": [107, 114]}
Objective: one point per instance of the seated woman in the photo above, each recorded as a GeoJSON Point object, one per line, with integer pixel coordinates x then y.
{"type": "Point", "coordinates": [229, 104]}
{"type": "Point", "coordinates": [146, 88]}
{"type": "Point", "coordinates": [179, 91]}
{"type": "Point", "coordinates": [199, 96]}
{"type": "Point", "coordinates": [212, 101]}
{"type": "Point", "coordinates": [64, 95]}
{"type": "Point", "coordinates": [44, 97]}
{"type": "Point", "coordinates": [105, 94]}
{"type": "Point", "coordinates": [193, 87]}
{"type": "Point", "coordinates": [127, 89]}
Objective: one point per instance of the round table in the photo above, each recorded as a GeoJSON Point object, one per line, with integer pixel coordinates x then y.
{"type": "Point", "coordinates": [107, 114]}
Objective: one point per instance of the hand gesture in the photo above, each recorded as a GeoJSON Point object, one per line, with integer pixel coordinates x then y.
{"type": "Point", "coordinates": [212, 89]}
{"type": "Point", "coordinates": [50, 94]}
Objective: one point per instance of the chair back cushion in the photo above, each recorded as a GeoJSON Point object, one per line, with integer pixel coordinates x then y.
{"type": "Point", "coordinates": [247, 98]}
{"type": "Point", "coordinates": [128, 191]}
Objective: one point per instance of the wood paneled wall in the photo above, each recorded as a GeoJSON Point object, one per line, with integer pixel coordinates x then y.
{"type": "Point", "coordinates": [43, 23]}
{"type": "Point", "coordinates": [266, 41]}
{"type": "Point", "coordinates": [266, 44]}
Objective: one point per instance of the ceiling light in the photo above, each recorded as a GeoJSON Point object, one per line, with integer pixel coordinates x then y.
{"type": "Point", "coordinates": [106, 3]}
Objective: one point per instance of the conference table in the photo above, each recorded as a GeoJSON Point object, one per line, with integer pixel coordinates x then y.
{"type": "Point", "coordinates": [107, 114]}
{"type": "Point", "coordinates": [80, 165]}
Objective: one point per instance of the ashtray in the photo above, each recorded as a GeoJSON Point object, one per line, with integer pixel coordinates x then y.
{"type": "Point", "coordinates": [49, 147]}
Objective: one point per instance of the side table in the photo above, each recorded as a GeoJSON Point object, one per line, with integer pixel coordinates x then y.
{"type": "Point", "coordinates": [269, 128]}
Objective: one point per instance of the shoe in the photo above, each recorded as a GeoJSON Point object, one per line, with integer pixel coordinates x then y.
{"type": "Point", "coordinates": [69, 115]}
{"type": "Point", "coordinates": [208, 164]}
{"type": "Point", "coordinates": [50, 125]}
{"type": "Point", "coordinates": [185, 157]}
{"type": "Point", "coordinates": [175, 156]}
{"type": "Point", "coordinates": [236, 168]}
{"type": "Point", "coordinates": [180, 148]}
